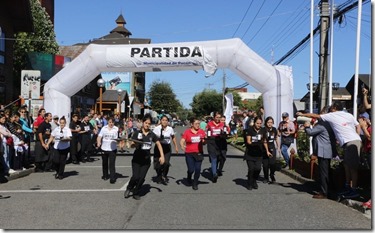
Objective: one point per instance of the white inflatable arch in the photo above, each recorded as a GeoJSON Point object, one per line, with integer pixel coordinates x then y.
{"type": "Point", "coordinates": [275, 82]}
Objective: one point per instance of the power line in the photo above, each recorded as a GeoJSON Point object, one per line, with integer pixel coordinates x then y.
{"type": "Point", "coordinates": [253, 20]}
{"type": "Point", "coordinates": [243, 18]}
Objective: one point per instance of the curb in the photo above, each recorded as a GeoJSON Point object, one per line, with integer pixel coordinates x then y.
{"type": "Point", "coordinates": [357, 205]}
{"type": "Point", "coordinates": [19, 174]}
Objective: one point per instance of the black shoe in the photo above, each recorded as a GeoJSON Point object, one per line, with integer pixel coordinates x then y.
{"type": "Point", "coordinates": [136, 197]}
{"type": "Point", "coordinates": [195, 186]}
{"type": "Point", "coordinates": [83, 160]}
{"type": "Point", "coordinates": [249, 187]}
{"type": "Point", "coordinates": [112, 181]}
{"type": "Point", "coordinates": [75, 162]}
{"type": "Point", "coordinates": [265, 181]}
{"type": "Point", "coordinates": [214, 179]}
{"type": "Point", "coordinates": [284, 166]}
{"type": "Point", "coordinates": [127, 193]}
{"type": "Point", "coordinates": [61, 177]}
{"type": "Point", "coordinates": [219, 173]}
{"type": "Point", "coordinates": [158, 179]}
{"type": "Point", "coordinates": [56, 176]}
{"type": "Point", "coordinates": [189, 180]}
{"type": "Point", "coordinates": [273, 178]}
{"type": "Point", "coordinates": [38, 170]}
{"type": "Point", "coordinates": [49, 170]}
{"type": "Point", "coordinates": [255, 185]}
{"type": "Point", "coordinates": [90, 160]}
{"type": "Point", "coordinates": [164, 180]}
{"type": "Point", "coordinates": [105, 177]}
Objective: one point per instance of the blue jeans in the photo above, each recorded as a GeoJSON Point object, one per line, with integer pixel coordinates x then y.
{"type": "Point", "coordinates": [193, 167]}
{"type": "Point", "coordinates": [213, 159]}
{"type": "Point", "coordinates": [6, 158]}
{"type": "Point", "coordinates": [284, 152]}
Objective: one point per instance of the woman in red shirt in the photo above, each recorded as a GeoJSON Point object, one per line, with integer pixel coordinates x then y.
{"type": "Point", "coordinates": [192, 142]}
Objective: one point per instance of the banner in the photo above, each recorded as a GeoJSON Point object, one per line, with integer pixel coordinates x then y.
{"type": "Point", "coordinates": [30, 84]}
{"type": "Point", "coordinates": [229, 108]}
{"type": "Point", "coordinates": [117, 80]}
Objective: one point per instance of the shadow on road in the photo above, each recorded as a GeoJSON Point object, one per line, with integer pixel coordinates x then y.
{"type": "Point", "coordinates": [307, 187]}
{"type": "Point", "coordinates": [241, 182]}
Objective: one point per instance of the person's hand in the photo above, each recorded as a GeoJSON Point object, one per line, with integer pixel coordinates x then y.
{"type": "Point", "coordinates": [306, 124]}
{"type": "Point", "coordinates": [269, 154]}
{"type": "Point", "coordinates": [364, 91]}
{"type": "Point", "coordinates": [299, 114]}
{"type": "Point", "coordinates": [161, 160]}
{"type": "Point", "coordinates": [176, 149]}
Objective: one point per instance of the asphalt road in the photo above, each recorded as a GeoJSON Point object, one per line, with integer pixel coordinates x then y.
{"type": "Point", "coordinates": [84, 201]}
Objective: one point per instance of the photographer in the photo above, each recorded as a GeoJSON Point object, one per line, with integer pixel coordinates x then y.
{"type": "Point", "coordinates": [286, 131]}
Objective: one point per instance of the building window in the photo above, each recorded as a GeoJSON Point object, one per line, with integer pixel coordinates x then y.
{"type": "Point", "coordinates": [2, 47]}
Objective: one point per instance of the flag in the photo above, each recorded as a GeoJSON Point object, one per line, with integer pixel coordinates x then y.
{"type": "Point", "coordinates": [229, 108]}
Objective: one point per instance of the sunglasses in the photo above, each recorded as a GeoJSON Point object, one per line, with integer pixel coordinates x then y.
{"type": "Point", "coordinates": [22, 112]}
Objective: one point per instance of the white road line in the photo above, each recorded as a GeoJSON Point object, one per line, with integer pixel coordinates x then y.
{"type": "Point", "coordinates": [61, 191]}
{"type": "Point", "coordinates": [92, 166]}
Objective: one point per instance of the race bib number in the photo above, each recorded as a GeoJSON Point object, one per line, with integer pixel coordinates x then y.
{"type": "Point", "coordinates": [195, 139]}
{"type": "Point", "coordinates": [146, 146]}
{"type": "Point", "coordinates": [86, 128]}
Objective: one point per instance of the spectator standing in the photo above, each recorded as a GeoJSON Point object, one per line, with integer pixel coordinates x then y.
{"type": "Point", "coordinates": [54, 122]}
{"type": "Point", "coordinates": [75, 128]}
{"type": "Point", "coordinates": [286, 131]}
{"type": "Point", "coordinates": [233, 129]}
{"type": "Point", "coordinates": [203, 124]}
{"type": "Point", "coordinates": [5, 135]}
{"type": "Point", "coordinates": [39, 119]}
{"type": "Point", "coordinates": [346, 129]}
{"type": "Point", "coordinates": [43, 160]}
{"type": "Point", "coordinates": [324, 147]}
{"type": "Point", "coordinates": [192, 143]}
{"type": "Point", "coordinates": [86, 133]}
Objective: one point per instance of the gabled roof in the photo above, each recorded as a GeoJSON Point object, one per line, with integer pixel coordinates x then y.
{"type": "Point", "coordinates": [339, 94]}
{"type": "Point", "coordinates": [362, 79]}
{"type": "Point", "coordinates": [72, 51]}
{"type": "Point", "coordinates": [112, 96]}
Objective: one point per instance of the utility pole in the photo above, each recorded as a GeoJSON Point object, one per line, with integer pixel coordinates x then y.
{"type": "Point", "coordinates": [224, 76]}
{"type": "Point", "coordinates": [323, 54]}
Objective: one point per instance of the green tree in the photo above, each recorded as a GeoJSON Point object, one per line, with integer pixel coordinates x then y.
{"type": "Point", "coordinates": [206, 102]}
{"type": "Point", "coordinates": [162, 97]}
{"type": "Point", "coordinates": [43, 39]}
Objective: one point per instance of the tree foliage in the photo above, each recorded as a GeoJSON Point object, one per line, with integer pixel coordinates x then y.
{"type": "Point", "coordinates": [43, 39]}
{"type": "Point", "coordinates": [206, 102]}
{"type": "Point", "coordinates": [162, 97]}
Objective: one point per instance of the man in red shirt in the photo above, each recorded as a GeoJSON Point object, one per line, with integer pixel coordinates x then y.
{"type": "Point", "coordinates": [39, 119]}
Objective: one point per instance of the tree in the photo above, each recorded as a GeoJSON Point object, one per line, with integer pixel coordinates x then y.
{"type": "Point", "coordinates": [43, 39]}
{"type": "Point", "coordinates": [206, 102]}
{"type": "Point", "coordinates": [162, 97]}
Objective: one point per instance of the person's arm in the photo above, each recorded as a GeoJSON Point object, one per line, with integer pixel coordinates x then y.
{"type": "Point", "coordinates": [311, 115]}
{"type": "Point", "coordinates": [161, 159]}
{"type": "Point", "coordinates": [365, 99]}
{"type": "Point", "coordinates": [99, 141]}
{"type": "Point", "coordinates": [312, 131]}
{"type": "Point", "coordinates": [174, 140]}
{"type": "Point", "coordinates": [183, 143]}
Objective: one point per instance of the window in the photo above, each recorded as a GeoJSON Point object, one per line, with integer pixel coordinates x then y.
{"type": "Point", "coordinates": [2, 47]}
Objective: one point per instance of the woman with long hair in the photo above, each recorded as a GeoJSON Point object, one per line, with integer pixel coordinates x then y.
{"type": "Point", "coordinates": [269, 158]}
{"type": "Point", "coordinates": [192, 142]}
{"type": "Point", "coordinates": [142, 140]}
{"type": "Point", "coordinates": [254, 152]}
{"type": "Point", "coordinates": [166, 135]}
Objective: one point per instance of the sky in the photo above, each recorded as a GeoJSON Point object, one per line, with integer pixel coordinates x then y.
{"type": "Point", "coordinates": [270, 28]}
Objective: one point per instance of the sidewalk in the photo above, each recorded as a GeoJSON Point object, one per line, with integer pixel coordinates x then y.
{"type": "Point", "coordinates": [365, 195]}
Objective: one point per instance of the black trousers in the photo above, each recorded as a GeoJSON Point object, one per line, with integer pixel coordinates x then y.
{"type": "Point", "coordinates": [162, 169]}
{"type": "Point", "coordinates": [254, 166]}
{"type": "Point", "coordinates": [324, 177]}
{"type": "Point", "coordinates": [139, 172]}
{"type": "Point", "coordinates": [269, 165]}
{"type": "Point", "coordinates": [61, 160]}
{"type": "Point", "coordinates": [74, 148]}
{"type": "Point", "coordinates": [86, 147]}
{"type": "Point", "coordinates": [221, 160]}
{"type": "Point", "coordinates": [111, 157]}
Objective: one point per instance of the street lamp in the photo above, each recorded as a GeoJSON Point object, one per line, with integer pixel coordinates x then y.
{"type": "Point", "coordinates": [335, 86]}
{"type": "Point", "coordinates": [100, 84]}
{"type": "Point", "coordinates": [119, 92]}
{"type": "Point", "coordinates": [315, 86]}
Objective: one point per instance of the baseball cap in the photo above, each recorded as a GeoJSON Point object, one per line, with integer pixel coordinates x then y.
{"type": "Point", "coordinates": [55, 117]}
{"type": "Point", "coordinates": [285, 114]}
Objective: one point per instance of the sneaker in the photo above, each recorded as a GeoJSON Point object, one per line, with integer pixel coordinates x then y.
{"type": "Point", "coordinates": [255, 185]}
{"type": "Point", "coordinates": [351, 194]}
{"type": "Point", "coordinates": [265, 181]}
{"type": "Point", "coordinates": [11, 171]}
{"type": "Point", "coordinates": [214, 179]}
{"type": "Point", "coordinates": [219, 173]}
{"type": "Point", "coordinates": [136, 197]}
{"type": "Point", "coordinates": [272, 178]}
{"type": "Point", "coordinates": [195, 186]}
{"type": "Point", "coordinates": [345, 190]}
{"type": "Point", "coordinates": [367, 204]}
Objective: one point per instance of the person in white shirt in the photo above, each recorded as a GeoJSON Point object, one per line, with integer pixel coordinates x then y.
{"type": "Point", "coordinates": [62, 136]}
{"type": "Point", "coordinates": [346, 129]}
{"type": "Point", "coordinates": [166, 135]}
{"type": "Point", "coordinates": [107, 142]}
